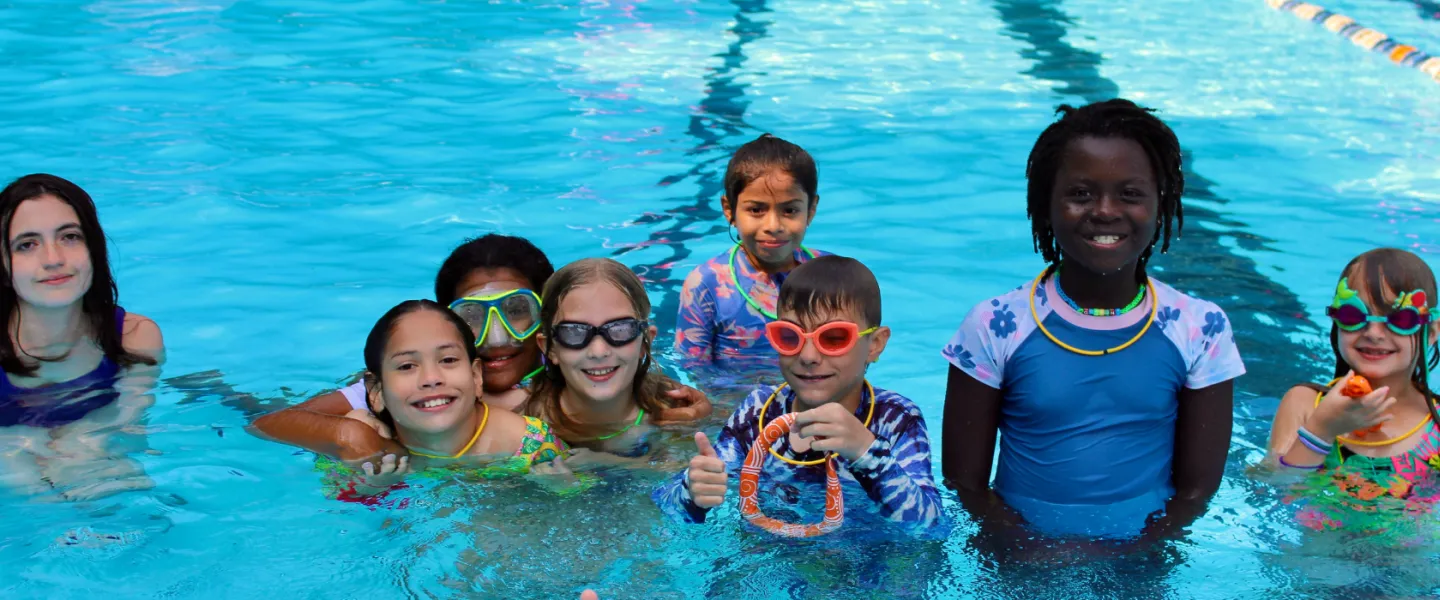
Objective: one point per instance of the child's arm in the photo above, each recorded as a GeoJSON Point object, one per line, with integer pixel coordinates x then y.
{"type": "Point", "coordinates": [707, 476]}
{"type": "Point", "coordinates": [896, 475]}
{"type": "Point", "coordinates": [1336, 414]}
{"type": "Point", "coordinates": [1202, 443]}
{"type": "Point", "coordinates": [320, 425]}
{"type": "Point", "coordinates": [967, 446]}
{"type": "Point", "coordinates": [695, 324]}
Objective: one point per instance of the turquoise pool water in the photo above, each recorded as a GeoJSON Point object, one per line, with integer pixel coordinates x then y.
{"type": "Point", "coordinates": [274, 175]}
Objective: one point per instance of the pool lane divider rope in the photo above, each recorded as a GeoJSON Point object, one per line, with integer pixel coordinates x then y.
{"type": "Point", "coordinates": [1364, 37]}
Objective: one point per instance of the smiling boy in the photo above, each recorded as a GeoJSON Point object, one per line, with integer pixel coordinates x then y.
{"type": "Point", "coordinates": [827, 334]}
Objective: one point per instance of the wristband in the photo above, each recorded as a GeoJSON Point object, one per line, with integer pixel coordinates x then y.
{"type": "Point", "coordinates": [1303, 467]}
{"type": "Point", "coordinates": [1314, 442]}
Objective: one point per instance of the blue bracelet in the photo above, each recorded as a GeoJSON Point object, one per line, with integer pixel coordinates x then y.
{"type": "Point", "coordinates": [1305, 467]}
{"type": "Point", "coordinates": [1314, 442]}
{"type": "Point", "coordinates": [1321, 450]}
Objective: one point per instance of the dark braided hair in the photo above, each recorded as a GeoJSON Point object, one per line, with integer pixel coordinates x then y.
{"type": "Point", "coordinates": [1118, 118]}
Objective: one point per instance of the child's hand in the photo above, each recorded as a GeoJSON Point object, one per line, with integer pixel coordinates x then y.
{"type": "Point", "coordinates": [358, 442]}
{"type": "Point", "coordinates": [690, 405]}
{"type": "Point", "coordinates": [390, 472]}
{"type": "Point", "coordinates": [1339, 414]}
{"type": "Point", "coordinates": [707, 478]}
{"type": "Point", "coordinates": [365, 416]}
{"type": "Point", "coordinates": [834, 430]}
{"type": "Point", "coordinates": [554, 467]}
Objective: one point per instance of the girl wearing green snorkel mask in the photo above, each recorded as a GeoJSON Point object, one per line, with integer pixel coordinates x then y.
{"type": "Point", "coordinates": [492, 282]}
{"type": "Point", "coordinates": [1377, 446]}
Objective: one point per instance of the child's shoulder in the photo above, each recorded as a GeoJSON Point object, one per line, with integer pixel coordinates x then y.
{"type": "Point", "coordinates": [1192, 312]}
{"type": "Point", "coordinates": [1171, 297]}
{"type": "Point", "coordinates": [707, 272]}
{"type": "Point", "coordinates": [897, 404]}
{"type": "Point", "coordinates": [1003, 314]}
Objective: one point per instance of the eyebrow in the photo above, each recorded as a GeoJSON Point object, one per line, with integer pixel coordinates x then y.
{"type": "Point", "coordinates": [444, 346]}
{"type": "Point", "coordinates": [33, 234]}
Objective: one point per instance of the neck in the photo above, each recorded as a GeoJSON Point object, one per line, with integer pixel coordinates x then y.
{"type": "Point", "coordinates": [443, 443]}
{"type": "Point", "coordinates": [768, 269]}
{"type": "Point", "coordinates": [850, 399]}
{"type": "Point", "coordinates": [1094, 290]}
{"type": "Point", "coordinates": [36, 327]}
{"type": "Point", "coordinates": [589, 410]}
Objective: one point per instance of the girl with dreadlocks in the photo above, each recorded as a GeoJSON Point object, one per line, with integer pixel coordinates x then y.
{"type": "Point", "coordinates": [1373, 446]}
{"type": "Point", "coordinates": [1113, 390]}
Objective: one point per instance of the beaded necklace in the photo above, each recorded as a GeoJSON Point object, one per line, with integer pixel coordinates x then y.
{"type": "Point", "coordinates": [1098, 312]}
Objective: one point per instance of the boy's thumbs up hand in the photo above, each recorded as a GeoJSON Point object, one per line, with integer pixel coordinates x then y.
{"type": "Point", "coordinates": [706, 479]}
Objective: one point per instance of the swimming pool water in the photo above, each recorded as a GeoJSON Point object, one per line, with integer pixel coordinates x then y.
{"type": "Point", "coordinates": [274, 175]}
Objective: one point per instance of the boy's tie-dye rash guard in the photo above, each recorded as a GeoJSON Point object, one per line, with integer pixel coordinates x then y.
{"type": "Point", "coordinates": [716, 325]}
{"type": "Point", "coordinates": [895, 472]}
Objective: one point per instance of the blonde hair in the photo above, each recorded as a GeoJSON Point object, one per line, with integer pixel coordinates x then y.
{"type": "Point", "coordinates": [649, 389]}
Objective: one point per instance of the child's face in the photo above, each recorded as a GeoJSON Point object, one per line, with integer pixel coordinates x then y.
{"type": "Point", "coordinates": [1105, 204]}
{"type": "Point", "coordinates": [819, 378]}
{"type": "Point", "coordinates": [771, 215]}
{"type": "Point", "coordinates": [597, 371]}
{"type": "Point", "coordinates": [49, 261]}
{"type": "Point", "coordinates": [427, 380]}
{"type": "Point", "coordinates": [505, 361]}
{"type": "Point", "coordinates": [1377, 352]}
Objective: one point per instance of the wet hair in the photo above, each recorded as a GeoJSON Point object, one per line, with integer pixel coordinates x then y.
{"type": "Point", "coordinates": [384, 329]}
{"type": "Point", "coordinates": [649, 388]}
{"type": "Point", "coordinates": [1118, 118]}
{"type": "Point", "coordinates": [491, 251]}
{"type": "Point", "coordinates": [98, 304]}
{"type": "Point", "coordinates": [1384, 272]}
{"type": "Point", "coordinates": [760, 156]}
{"type": "Point", "coordinates": [829, 285]}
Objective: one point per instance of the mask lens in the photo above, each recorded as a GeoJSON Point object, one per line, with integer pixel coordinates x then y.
{"type": "Point", "coordinates": [574, 335]}
{"type": "Point", "coordinates": [621, 332]}
{"type": "Point", "coordinates": [835, 339]}
{"type": "Point", "coordinates": [474, 315]}
{"type": "Point", "coordinates": [785, 337]}
{"type": "Point", "coordinates": [1404, 321]}
{"type": "Point", "coordinates": [1349, 317]}
{"type": "Point", "coordinates": [521, 312]}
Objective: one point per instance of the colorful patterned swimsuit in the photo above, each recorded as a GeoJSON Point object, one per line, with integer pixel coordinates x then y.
{"type": "Point", "coordinates": [539, 445]}
{"type": "Point", "coordinates": [1388, 494]}
{"type": "Point", "coordinates": [895, 472]}
{"type": "Point", "coordinates": [716, 325]}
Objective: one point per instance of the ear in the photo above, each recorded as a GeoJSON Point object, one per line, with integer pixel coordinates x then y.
{"type": "Point", "coordinates": [479, 376]}
{"type": "Point", "coordinates": [544, 344]}
{"type": "Point", "coordinates": [374, 395]}
{"type": "Point", "coordinates": [814, 205]}
{"type": "Point", "coordinates": [878, 340]}
{"type": "Point", "coordinates": [653, 331]}
{"type": "Point", "coordinates": [726, 210]}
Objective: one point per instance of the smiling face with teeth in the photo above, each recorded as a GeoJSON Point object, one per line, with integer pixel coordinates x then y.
{"type": "Point", "coordinates": [1104, 205]}
{"type": "Point", "coordinates": [598, 374]}
{"type": "Point", "coordinates": [505, 361]}
{"type": "Point", "coordinates": [427, 382]}
{"type": "Point", "coordinates": [1374, 351]}
{"type": "Point", "coordinates": [820, 379]}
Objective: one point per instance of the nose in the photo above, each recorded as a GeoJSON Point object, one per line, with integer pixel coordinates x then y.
{"type": "Point", "coordinates": [810, 354]}
{"type": "Point", "coordinates": [1107, 207]}
{"type": "Point", "coordinates": [497, 335]}
{"type": "Point", "coordinates": [53, 257]}
{"type": "Point", "coordinates": [1375, 330]}
{"type": "Point", "coordinates": [430, 374]}
{"type": "Point", "coordinates": [773, 223]}
{"type": "Point", "coordinates": [598, 348]}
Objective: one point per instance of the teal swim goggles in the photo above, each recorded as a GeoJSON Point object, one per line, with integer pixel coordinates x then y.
{"type": "Point", "coordinates": [1410, 312]}
{"type": "Point", "coordinates": [518, 311]}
